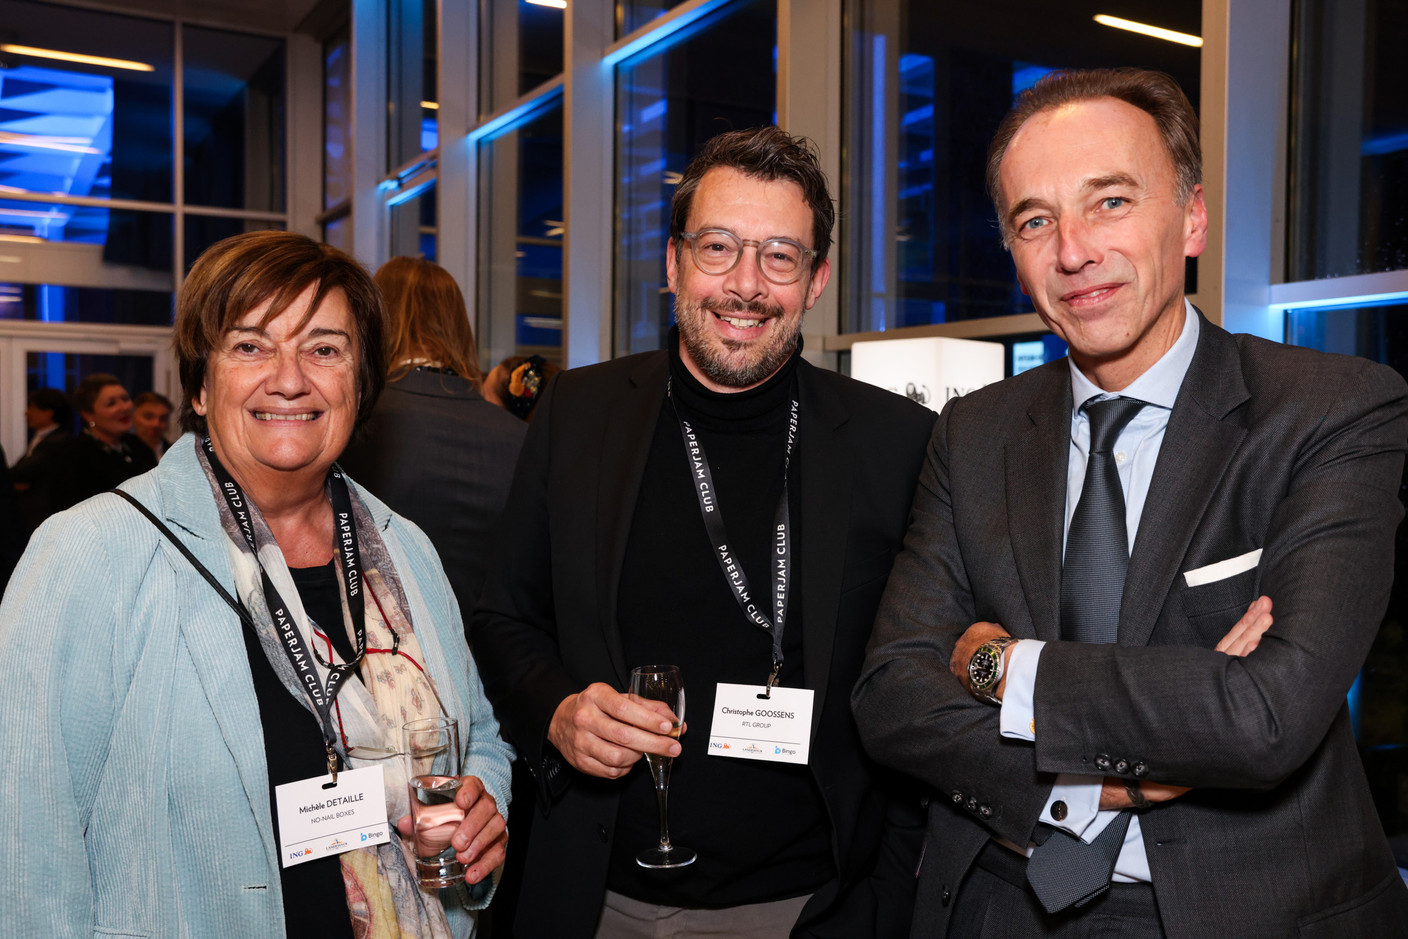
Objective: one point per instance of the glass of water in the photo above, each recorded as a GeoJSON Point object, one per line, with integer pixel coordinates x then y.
{"type": "Point", "coordinates": [432, 755]}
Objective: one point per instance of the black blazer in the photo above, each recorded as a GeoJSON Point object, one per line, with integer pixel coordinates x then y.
{"type": "Point", "coordinates": [439, 454]}
{"type": "Point", "coordinates": [1270, 447]}
{"type": "Point", "coordinates": [37, 471]}
{"type": "Point", "coordinates": [545, 628]}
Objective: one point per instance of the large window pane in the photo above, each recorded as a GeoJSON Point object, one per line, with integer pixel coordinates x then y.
{"type": "Point", "coordinates": [203, 231]}
{"type": "Point", "coordinates": [85, 129]}
{"type": "Point", "coordinates": [1349, 142]}
{"type": "Point", "coordinates": [520, 239]}
{"type": "Point", "coordinates": [337, 119]}
{"type": "Point", "coordinates": [716, 76]}
{"type": "Point", "coordinates": [141, 239]}
{"type": "Point", "coordinates": [1379, 699]}
{"type": "Point", "coordinates": [520, 48]}
{"type": "Point", "coordinates": [64, 370]}
{"type": "Point", "coordinates": [413, 226]}
{"type": "Point", "coordinates": [48, 303]}
{"type": "Point", "coordinates": [234, 120]}
{"type": "Point", "coordinates": [411, 77]}
{"type": "Point", "coordinates": [924, 96]}
{"type": "Point", "coordinates": [631, 15]}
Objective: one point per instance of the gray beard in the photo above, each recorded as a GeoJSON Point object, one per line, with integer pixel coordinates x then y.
{"type": "Point", "coordinates": [718, 367]}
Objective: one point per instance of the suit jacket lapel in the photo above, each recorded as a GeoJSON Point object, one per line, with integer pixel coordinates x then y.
{"type": "Point", "coordinates": [625, 449]}
{"type": "Point", "coordinates": [1036, 457]}
{"type": "Point", "coordinates": [1203, 435]}
{"type": "Point", "coordinates": [825, 483]}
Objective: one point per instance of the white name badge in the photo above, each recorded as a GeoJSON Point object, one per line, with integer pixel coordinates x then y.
{"type": "Point", "coordinates": [752, 728]}
{"type": "Point", "coordinates": [319, 822]}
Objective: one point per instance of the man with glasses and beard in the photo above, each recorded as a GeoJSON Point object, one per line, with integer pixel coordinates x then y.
{"type": "Point", "coordinates": [724, 506]}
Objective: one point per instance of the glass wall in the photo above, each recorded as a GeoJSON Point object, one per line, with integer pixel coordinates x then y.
{"type": "Point", "coordinates": [233, 120]}
{"type": "Point", "coordinates": [413, 225]}
{"type": "Point", "coordinates": [521, 241]}
{"type": "Point", "coordinates": [90, 144]}
{"type": "Point", "coordinates": [715, 76]}
{"type": "Point", "coordinates": [49, 303]}
{"type": "Point", "coordinates": [1379, 699]}
{"type": "Point", "coordinates": [1349, 162]}
{"type": "Point", "coordinates": [521, 47]}
{"type": "Point", "coordinates": [97, 129]}
{"type": "Point", "coordinates": [412, 62]}
{"type": "Point", "coordinates": [924, 95]}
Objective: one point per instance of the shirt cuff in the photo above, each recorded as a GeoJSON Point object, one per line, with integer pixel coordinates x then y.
{"type": "Point", "coordinates": [1074, 807]}
{"type": "Point", "coordinates": [1018, 718]}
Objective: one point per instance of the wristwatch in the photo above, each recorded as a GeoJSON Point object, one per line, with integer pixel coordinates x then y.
{"type": "Point", "coordinates": [985, 668]}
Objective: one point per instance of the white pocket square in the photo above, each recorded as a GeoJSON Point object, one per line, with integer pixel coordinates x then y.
{"type": "Point", "coordinates": [1223, 569]}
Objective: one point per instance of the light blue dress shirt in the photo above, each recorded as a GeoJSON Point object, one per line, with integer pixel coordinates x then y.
{"type": "Point", "coordinates": [1136, 453]}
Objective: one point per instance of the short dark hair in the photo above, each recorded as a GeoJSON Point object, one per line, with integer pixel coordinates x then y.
{"type": "Point", "coordinates": [52, 399]}
{"type": "Point", "coordinates": [766, 153]}
{"type": "Point", "coordinates": [241, 272]}
{"type": "Point", "coordinates": [152, 397]}
{"type": "Point", "coordinates": [1154, 93]}
{"type": "Point", "coordinates": [86, 394]}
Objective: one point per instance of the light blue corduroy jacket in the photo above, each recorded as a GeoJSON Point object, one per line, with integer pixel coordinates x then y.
{"type": "Point", "coordinates": [134, 796]}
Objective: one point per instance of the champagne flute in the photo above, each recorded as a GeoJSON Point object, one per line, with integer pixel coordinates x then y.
{"type": "Point", "coordinates": [662, 683]}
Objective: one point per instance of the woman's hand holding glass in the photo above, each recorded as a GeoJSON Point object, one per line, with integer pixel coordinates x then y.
{"type": "Point", "coordinates": [480, 839]}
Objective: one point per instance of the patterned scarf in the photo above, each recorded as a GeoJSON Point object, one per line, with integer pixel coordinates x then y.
{"type": "Point", "coordinates": [383, 897]}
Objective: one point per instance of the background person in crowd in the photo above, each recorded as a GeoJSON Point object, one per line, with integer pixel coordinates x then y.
{"type": "Point", "coordinates": [151, 420]}
{"type": "Point", "coordinates": [434, 450]}
{"type": "Point", "coordinates": [49, 417]}
{"type": "Point", "coordinates": [517, 384]}
{"type": "Point", "coordinates": [12, 531]}
{"type": "Point", "coordinates": [1062, 653]}
{"type": "Point", "coordinates": [106, 452]}
{"type": "Point", "coordinates": [146, 727]}
{"type": "Point", "coordinates": [607, 562]}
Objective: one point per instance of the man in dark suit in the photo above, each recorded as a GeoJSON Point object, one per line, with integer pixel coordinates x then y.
{"type": "Point", "coordinates": [1165, 773]}
{"type": "Point", "coordinates": [726, 507]}
{"type": "Point", "coordinates": [48, 415]}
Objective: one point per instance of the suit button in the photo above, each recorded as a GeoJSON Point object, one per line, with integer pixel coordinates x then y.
{"type": "Point", "coordinates": [1102, 762]}
{"type": "Point", "coordinates": [985, 810]}
{"type": "Point", "coordinates": [601, 833]}
{"type": "Point", "coordinates": [924, 801]}
{"type": "Point", "coordinates": [944, 897]}
{"type": "Point", "coordinates": [1121, 766]}
{"type": "Point", "coordinates": [1139, 769]}
{"type": "Point", "coordinates": [1058, 810]}
{"type": "Point", "coordinates": [972, 804]}
{"type": "Point", "coordinates": [956, 796]}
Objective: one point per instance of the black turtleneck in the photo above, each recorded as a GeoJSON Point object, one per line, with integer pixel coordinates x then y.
{"type": "Point", "coordinates": [759, 828]}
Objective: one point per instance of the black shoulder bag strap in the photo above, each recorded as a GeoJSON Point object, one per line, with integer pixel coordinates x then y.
{"type": "Point", "coordinates": [200, 568]}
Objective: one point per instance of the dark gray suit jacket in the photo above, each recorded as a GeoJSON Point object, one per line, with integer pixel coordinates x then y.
{"type": "Point", "coordinates": [436, 452]}
{"type": "Point", "coordinates": [1291, 451]}
{"type": "Point", "coordinates": [546, 623]}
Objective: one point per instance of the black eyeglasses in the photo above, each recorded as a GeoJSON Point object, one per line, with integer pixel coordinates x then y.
{"type": "Point", "coordinates": [781, 261]}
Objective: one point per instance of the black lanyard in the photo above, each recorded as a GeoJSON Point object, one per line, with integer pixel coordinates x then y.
{"type": "Point", "coordinates": [781, 557]}
{"type": "Point", "coordinates": [321, 695]}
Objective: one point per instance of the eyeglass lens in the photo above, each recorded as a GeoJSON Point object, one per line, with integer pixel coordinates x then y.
{"type": "Point", "coordinates": [717, 251]}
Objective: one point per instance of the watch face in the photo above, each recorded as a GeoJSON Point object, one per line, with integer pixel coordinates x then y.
{"type": "Point", "coordinates": [982, 668]}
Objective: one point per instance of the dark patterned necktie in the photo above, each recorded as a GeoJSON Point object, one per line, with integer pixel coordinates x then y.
{"type": "Point", "coordinates": [1065, 870]}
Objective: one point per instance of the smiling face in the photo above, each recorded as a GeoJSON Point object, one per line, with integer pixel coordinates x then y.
{"type": "Point", "coordinates": [281, 399]}
{"type": "Point", "coordinates": [1098, 236]}
{"type": "Point", "coordinates": [737, 329]}
{"type": "Point", "coordinates": [111, 416]}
